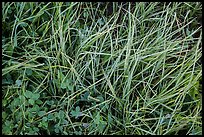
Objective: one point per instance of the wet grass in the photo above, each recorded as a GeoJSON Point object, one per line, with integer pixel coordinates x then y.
{"type": "Point", "coordinates": [101, 68]}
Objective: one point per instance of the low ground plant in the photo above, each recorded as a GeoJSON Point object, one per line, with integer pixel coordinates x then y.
{"type": "Point", "coordinates": [79, 68]}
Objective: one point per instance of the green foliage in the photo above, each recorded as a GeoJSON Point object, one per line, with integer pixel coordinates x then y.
{"type": "Point", "coordinates": [76, 113]}
{"type": "Point", "coordinates": [18, 83]}
{"type": "Point", "coordinates": [71, 68]}
{"type": "Point", "coordinates": [32, 97]}
{"type": "Point", "coordinates": [7, 127]}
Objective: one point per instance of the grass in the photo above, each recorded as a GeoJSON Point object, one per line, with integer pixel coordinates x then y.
{"type": "Point", "coordinates": [75, 68]}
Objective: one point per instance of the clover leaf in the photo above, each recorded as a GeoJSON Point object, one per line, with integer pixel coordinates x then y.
{"type": "Point", "coordinates": [18, 83]}
{"type": "Point", "coordinates": [30, 95]}
{"type": "Point", "coordinates": [36, 96]}
{"type": "Point", "coordinates": [31, 101]}
{"type": "Point", "coordinates": [76, 113]}
{"type": "Point", "coordinates": [67, 84]}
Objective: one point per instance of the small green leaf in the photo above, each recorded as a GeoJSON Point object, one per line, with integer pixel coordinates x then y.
{"type": "Point", "coordinates": [70, 87]}
{"type": "Point", "coordinates": [101, 22]}
{"type": "Point", "coordinates": [8, 79]}
{"type": "Point", "coordinates": [17, 102]}
{"type": "Point", "coordinates": [39, 102]}
{"type": "Point", "coordinates": [22, 99]}
{"type": "Point", "coordinates": [56, 130]}
{"type": "Point", "coordinates": [67, 84]}
{"type": "Point", "coordinates": [65, 133]}
{"type": "Point", "coordinates": [76, 113]}
{"type": "Point", "coordinates": [4, 115]}
{"type": "Point", "coordinates": [65, 122]}
{"type": "Point", "coordinates": [35, 96]}
{"type": "Point", "coordinates": [97, 118]}
{"type": "Point", "coordinates": [31, 101]}
{"type": "Point", "coordinates": [64, 85]}
{"type": "Point", "coordinates": [105, 58]}
{"type": "Point", "coordinates": [50, 116]}
{"type": "Point", "coordinates": [56, 114]}
{"type": "Point", "coordinates": [41, 113]}
{"type": "Point", "coordinates": [61, 114]}
{"type": "Point", "coordinates": [7, 127]}
{"type": "Point", "coordinates": [28, 94]}
{"type": "Point", "coordinates": [30, 116]}
{"type": "Point", "coordinates": [50, 102]}
{"type": "Point", "coordinates": [100, 98]}
{"type": "Point", "coordinates": [35, 129]}
{"type": "Point", "coordinates": [69, 81]}
{"type": "Point", "coordinates": [110, 119]}
{"type": "Point", "coordinates": [35, 108]}
{"type": "Point", "coordinates": [4, 102]}
{"type": "Point", "coordinates": [29, 72]}
{"type": "Point", "coordinates": [40, 125]}
{"type": "Point", "coordinates": [44, 118]}
{"type": "Point", "coordinates": [18, 83]}
{"type": "Point", "coordinates": [85, 96]}
{"type": "Point", "coordinates": [85, 14]}
{"type": "Point", "coordinates": [45, 124]}
{"type": "Point", "coordinates": [77, 109]}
